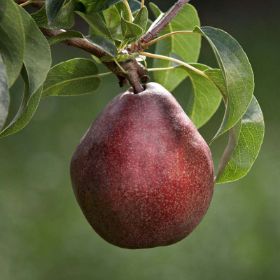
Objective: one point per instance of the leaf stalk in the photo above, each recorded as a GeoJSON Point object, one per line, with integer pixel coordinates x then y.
{"type": "Point", "coordinates": [174, 60]}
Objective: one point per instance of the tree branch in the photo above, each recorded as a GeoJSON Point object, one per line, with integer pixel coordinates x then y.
{"type": "Point", "coordinates": [80, 43]}
{"type": "Point", "coordinates": [134, 70]}
{"type": "Point", "coordinates": [165, 20]}
{"type": "Point", "coordinates": [135, 74]}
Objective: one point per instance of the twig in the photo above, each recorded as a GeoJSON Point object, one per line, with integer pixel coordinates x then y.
{"type": "Point", "coordinates": [165, 20]}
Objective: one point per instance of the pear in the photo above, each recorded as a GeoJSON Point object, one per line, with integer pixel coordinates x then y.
{"type": "Point", "coordinates": [143, 175]}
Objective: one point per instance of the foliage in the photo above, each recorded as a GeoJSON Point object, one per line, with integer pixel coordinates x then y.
{"type": "Point", "coordinates": [117, 27]}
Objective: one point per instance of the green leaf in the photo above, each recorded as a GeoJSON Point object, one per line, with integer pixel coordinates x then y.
{"type": "Point", "coordinates": [4, 94]}
{"type": "Point", "coordinates": [11, 39]}
{"type": "Point", "coordinates": [37, 54]}
{"type": "Point", "coordinates": [27, 109]}
{"type": "Point", "coordinates": [64, 36]}
{"type": "Point", "coordinates": [237, 73]}
{"type": "Point", "coordinates": [60, 13]}
{"type": "Point", "coordinates": [40, 17]}
{"type": "Point", "coordinates": [37, 62]}
{"type": "Point", "coordinates": [218, 79]}
{"type": "Point", "coordinates": [245, 140]}
{"type": "Point", "coordinates": [73, 77]}
{"type": "Point", "coordinates": [186, 47]}
{"type": "Point", "coordinates": [141, 18]}
{"type": "Point", "coordinates": [99, 33]}
{"type": "Point", "coordinates": [124, 12]}
{"type": "Point", "coordinates": [134, 5]}
{"type": "Point", "coordinates": [206, 97]}
{"type": "Point", "coordinates": [53, 8]}
{"type": "Point", "coordinates": [97, 24]}
{"type": "Point", "coordinates": [107, 45]}
{"type": "Point", "coordinates": [131, 31]}
{"type": "Point", "coordinates": [112, 20]}
{"type": "Point", "coordinates": [66, 16]}
{"type": "Point", "coordinates": [97, 5]}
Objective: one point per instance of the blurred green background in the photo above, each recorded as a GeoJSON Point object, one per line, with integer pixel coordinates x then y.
{"type": "Point", "coordinates": [43, 234]}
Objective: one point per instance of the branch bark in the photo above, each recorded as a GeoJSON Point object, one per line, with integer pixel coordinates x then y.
{"type": "Point", "coordinates": [165, 20]}
{"type": "Point", "coordinates": [135, 73]}
{"type": "Point", "coordinates": [80, 43]}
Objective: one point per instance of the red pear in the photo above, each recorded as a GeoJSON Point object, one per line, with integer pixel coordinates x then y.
{"type": "Point", "coordinates": [142, 174]}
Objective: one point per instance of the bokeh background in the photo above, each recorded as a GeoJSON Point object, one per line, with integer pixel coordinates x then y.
{"type": "Point", "coordinates": [43, 234]}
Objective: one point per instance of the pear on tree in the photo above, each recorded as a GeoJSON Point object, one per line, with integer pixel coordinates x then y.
{"type": "Point", "coordinates": [142, 174]}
